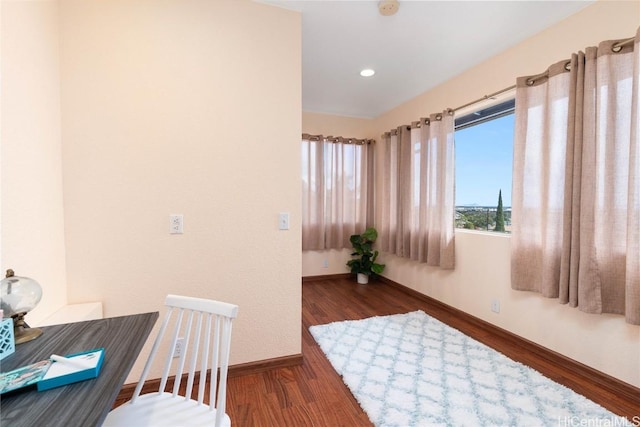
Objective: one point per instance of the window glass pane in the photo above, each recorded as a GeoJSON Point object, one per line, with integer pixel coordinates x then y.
{"type": "Point", "coordinates": [484, 161]}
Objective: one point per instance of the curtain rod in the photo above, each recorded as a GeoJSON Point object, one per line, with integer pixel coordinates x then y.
{"type": "Point", "coordinates": [491, 95]}
{"type": "Point", "coordinates": [425, 121]}
{"type": "Point", "coordinates": [616, 48]}
{"type": "Point", "coordinates": [338, 139]}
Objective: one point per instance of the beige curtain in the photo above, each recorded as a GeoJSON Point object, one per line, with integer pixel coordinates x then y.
{"type": "Point", "coordinates": [576, 182]}
{"type": "Point", "coordinates": [416, 209]}
{"type": "Point", "coordinates": [337, 190]}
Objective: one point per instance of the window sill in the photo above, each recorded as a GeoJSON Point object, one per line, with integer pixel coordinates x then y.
{"type": "Point", "coordinates": [483, 233]}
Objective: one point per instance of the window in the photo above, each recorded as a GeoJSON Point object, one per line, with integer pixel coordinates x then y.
{"type": "Point", "coordinates": [484, 161]}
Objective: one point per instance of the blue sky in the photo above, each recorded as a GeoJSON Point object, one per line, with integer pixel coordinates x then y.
{"type": "Point", "coordinates": [484, 159]}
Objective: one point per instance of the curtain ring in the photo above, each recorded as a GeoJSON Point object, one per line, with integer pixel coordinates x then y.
{"type": "Point", "coordinates": [617, 47]}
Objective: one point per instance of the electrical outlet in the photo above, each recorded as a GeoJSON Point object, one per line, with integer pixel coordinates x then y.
{"type": "Point", "coordinates": [177, 352]}
{"type": "Point", "coordinates": [495, 305]}
{"type": "Point", "coordinates": [325, 263]}
{"type": "Point", "coordinates": [283, 221]}
{"type": "Point", "coordinates": [176, 224]}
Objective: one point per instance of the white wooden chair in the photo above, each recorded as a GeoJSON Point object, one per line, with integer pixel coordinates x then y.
{"type": "Point", "coordinates": [207, 338]}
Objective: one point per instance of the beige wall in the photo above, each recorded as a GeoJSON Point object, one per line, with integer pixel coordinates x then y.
{"type": "Point", "coordinates": [180, 106]}
{"type": "Point", "coordinates": [189, 107]}
{"type": "Point", "coordinates": [326, 124]}
{"type": "Point", "coordinates": [32, 225]}
{"type": "Point", "coordinates": [482, 272]}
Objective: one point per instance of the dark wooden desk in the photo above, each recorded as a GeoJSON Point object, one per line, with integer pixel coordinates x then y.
{"type": "Point", "coordinates": [85, 403]}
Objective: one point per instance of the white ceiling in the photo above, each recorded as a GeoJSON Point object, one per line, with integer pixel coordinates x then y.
{"type": "Point", "coordinates": [423, 45]}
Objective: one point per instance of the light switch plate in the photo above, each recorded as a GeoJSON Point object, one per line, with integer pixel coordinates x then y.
{"type": "Point", "coordinates": [176, 224]}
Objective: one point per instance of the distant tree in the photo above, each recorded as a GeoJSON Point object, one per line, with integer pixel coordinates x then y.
{"type": "Point", "coordinates": [499, 214]}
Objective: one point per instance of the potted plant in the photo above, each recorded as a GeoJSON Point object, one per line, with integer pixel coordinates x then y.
{"type": "Point", "coordinates": [364, 264]}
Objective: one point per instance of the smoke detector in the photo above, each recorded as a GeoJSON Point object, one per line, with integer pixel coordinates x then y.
{"type": "Point", "coordinates": [388, 7]}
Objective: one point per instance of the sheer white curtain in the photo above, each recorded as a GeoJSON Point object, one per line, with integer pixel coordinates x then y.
{"type": "Point", "coordinates": [416, 209]}
{"type": "Point", "coordinates": [313, 185]}
{"type": "Point", "coordinates": [337, 190]}
{"type": "Point", "coordinates": [576, 182]}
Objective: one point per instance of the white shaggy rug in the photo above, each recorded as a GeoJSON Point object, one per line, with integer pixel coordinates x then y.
{"type": "Point", "coordinates": [413, 370]}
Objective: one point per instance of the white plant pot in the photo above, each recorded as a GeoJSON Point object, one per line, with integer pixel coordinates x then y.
{"type": "Point", "coordinates": [363, 279]}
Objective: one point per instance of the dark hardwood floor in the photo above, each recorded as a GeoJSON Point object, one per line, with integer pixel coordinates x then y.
{"type": "Point", "coordinates": [312, 394]}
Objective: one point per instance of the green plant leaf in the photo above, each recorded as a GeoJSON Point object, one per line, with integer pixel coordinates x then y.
{"type": "Point", "coordinates": [377, 268]}
{"type": "Point", "coordinates": [370, 234]}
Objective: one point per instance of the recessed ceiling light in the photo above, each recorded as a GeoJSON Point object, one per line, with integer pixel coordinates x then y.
{"type": "Point", "coordinates": [367, 72]}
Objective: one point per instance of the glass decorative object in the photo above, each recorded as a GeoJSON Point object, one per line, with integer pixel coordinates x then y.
{"type": "Point", "coordinates": [18, 296]}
